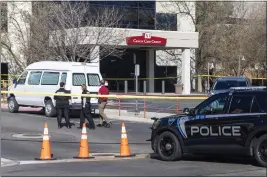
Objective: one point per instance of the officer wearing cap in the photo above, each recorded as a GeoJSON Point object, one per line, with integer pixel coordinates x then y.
{"type": "Point", "coordinates": [86, 109]}
{"type": "Point", "coordinates": [62, 105]}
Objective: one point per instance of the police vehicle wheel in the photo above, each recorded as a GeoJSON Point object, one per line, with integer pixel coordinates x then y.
{"type": "Point", "coordinates": [154, 144]}
{"type": "Point", "coordinates": [49, 109]}
{"type": "Point", "coordinates": [260, 150]}
{"type": "Point", "coordinates": [13, 106]}
{"type": "Point", "coordinates": [169, 147]}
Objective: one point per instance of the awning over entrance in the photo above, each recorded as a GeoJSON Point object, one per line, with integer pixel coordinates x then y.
{"type": "Point", "coordinates": [135, 38]}
{"type": "Point", "coordinates": [161, 40]}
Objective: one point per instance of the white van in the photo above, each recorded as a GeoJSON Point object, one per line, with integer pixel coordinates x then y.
{"type": "Point", "coordinates": [45, 76]}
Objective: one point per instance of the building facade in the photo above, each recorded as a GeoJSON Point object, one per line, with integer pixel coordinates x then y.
{"type": "Point", "coordinates": [142, 21]}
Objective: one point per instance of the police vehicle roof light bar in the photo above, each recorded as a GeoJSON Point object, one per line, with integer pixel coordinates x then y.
{"type": "Point", "coordinates": [249, 88]}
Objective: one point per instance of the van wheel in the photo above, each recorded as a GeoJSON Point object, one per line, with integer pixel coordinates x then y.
{"type": "Point", "coordinates": [13, 106]}
{"type": "Point", "coordinates": [260, 150]}
{"type": "Point", "coordinates": [50, 110]}
{"type": "Point", "coordinates": [169, 147]}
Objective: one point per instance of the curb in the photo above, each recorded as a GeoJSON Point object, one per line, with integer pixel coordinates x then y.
{"type": "Point", "coordinates": [97, 158]}
{"type": "Point", "coordinates": [133, 119]}
{"type": "Point", "coordinates": [164, 95]}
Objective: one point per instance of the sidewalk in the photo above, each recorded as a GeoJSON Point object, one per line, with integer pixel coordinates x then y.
{"type": "Point", "coordinates": [160, 94]}
{"type": "Point", "coordinates": [114, 114]}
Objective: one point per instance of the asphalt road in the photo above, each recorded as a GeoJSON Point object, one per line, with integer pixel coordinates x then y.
{"type": "Point", "coordinates": [65, 145]}
{"type": "Point", "coordinates": [65, 142]}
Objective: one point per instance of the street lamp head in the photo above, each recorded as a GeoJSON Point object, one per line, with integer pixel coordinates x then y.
{"type": "Point", "coordinates": [243, 58]}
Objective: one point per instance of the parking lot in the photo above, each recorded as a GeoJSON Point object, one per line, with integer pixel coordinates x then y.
{"type": "Point", "coordinates": [18, 153]}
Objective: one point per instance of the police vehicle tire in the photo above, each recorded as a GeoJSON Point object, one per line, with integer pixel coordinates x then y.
{"type": "Point", "coordinates": [174, 145]}
{"type": "Point", "coordinates": [13, 106]}
{"type": "Point", "coordinates": [257, 151]}
{"type": "Point", "coordinates": [52, 112]}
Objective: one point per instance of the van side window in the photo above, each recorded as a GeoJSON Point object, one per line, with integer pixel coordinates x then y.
{"type": "Point", "coordinates": [78, 79]}
{"type": "Point", "coordinates": [93, 80]}
{"type": "Point", "coordinates": [34, 78]}
{"type": "Point", "coordinates": [22, 78]}
{"type": "Point", "coordinates": [63, 77]}
{"type": "Point", "coordinates": [50, 78]}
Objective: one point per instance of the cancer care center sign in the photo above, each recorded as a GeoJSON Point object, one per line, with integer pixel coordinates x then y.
{"type": "Point", "coordinates": [146, 39]}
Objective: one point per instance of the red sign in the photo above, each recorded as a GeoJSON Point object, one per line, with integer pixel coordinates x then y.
{"type": "Point", "coordinates": [146, 39]}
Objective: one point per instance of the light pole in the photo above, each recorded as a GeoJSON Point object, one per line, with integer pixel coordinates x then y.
{"type": "Point", "coordinates": [239, 64]}
{"type": "Point", "coordinates": [0, 38]}
{"type": "Point", "coordinates": [266, 43]}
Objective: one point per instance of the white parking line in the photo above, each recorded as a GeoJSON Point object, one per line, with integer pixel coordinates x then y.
{"type": "Point", "coordinates": [8, 162]}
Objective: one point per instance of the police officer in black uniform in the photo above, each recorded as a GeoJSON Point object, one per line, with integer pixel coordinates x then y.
{"type": "Point", "coordinates": [62, 105]}
{"type": "Point", "coordinates": [86, 109]}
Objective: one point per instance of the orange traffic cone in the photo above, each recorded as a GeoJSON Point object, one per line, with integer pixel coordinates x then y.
{"type": "Point", "coordinates": [45, 151]}
{"type": "Point", "coordinates": [84, 149]}
{"type": "Point", "coordinates": [125, 149]}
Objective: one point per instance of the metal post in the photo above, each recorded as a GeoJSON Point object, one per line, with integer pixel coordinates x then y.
{"type": "Point", "coordinates": [239, 66]}
{"type": "Point", "coordinates": [136, 92]}
{"type": "Point", "coordinates": [118, 87]}
{"type": "Point", "coordinates": [163, 86]}
{"type": "Point", "coordinates": [144, 87]}
{"type": "Point", "coordinates": [208, 83]}
{"type": "Point", "coordinates": [126, 87]}
{"type": "Point", "coordinates": [137, 72]}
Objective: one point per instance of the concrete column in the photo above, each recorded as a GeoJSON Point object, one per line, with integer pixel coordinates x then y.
{"type": "Point", "coordinates": [95, 55]}
{"type": "Point", "coordinates": [199, 83]}
{"type": "Point", "coordinates": [150, 69]}
{"type": "Point", "coordinates": [186, 71]}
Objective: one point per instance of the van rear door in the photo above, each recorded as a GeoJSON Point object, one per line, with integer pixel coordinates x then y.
{"type": "Point", "coordinates": [93, 80]}
{"type": "Point", "coordinates": [78, 79]}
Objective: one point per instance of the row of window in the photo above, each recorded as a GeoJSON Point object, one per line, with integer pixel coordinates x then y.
{"type": "Point", "coordinates": [143, 4]}
{"type": "Point", "coordinates": [239, 104]}
{"type": "Point", "coordinates": [52, 78]}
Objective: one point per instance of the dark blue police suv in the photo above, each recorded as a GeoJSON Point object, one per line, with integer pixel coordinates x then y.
{"type": "Point", "coordinates": [230, 123]}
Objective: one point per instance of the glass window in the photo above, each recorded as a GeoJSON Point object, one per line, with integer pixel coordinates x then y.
{"type": "Point", "coordinates": [50, 78]}
{"type": "Point", "coordinates": [240, 104]}
{"type": "Point", "coordinates": [262, 102]}
{"type": "Point", "coordinates": [215, 105]}
{"type": "Point", "coordinates": [78, 79]}
{"type": "Point", "coordinates": [129, 16]}
{"type": "Point", "coordinates": [146, 18]}
{"type": "Point", "coordinates": [147, 4]}
{"type": "Point", "coordinates": [63, 77]}
{"type": "Point", "coordinates": [166, 21]}
{"type": "Point", "coordinates": [225, 85]}
{"type": "Point", "coordinates": [255, 108]}
{"type": "Point", "coordinates": [35, 77]}
{"type": "Point", "coordinates": [22, 78]}
{"type": "Point", "coordinates": [93, 80]}
{"type": "Point", "coordinates": [122, 3]}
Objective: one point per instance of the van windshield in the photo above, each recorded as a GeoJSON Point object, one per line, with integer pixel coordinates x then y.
{"type": "Point", "coordinates": [227, 84]}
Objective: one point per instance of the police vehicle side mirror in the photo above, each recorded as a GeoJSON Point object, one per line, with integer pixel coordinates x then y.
{"type": "Point", "coordinates": [186, 111]}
